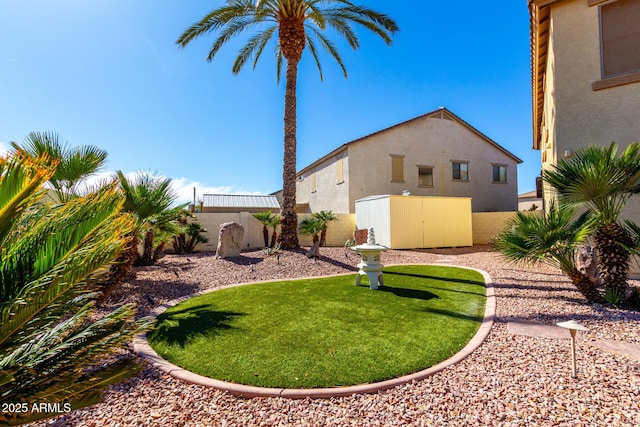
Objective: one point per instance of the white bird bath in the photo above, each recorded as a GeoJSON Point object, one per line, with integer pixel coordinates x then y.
{"type": "Point", "coordinates": [370, 263]}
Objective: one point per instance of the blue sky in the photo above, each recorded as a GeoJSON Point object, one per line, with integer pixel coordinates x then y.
{"type": "Point", "coordinates": [108, 73]}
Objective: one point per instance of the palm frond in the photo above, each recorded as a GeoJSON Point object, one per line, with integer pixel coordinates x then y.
{"type": "Point", "coordinates": [215, 20]}
{"type": "Point", "coordinates": [329, 47]}
{"type": "Point", "coordinates": [253, 47]}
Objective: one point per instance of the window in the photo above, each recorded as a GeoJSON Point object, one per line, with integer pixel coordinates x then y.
{"type": "Point", "coordinates": [397, 168]}
{"type": "Point", "coordinates": [620, 37]}
{"type": "Point", "coordinates": [339, 171]}
{"type": "Point", "coordinates": [313, 182]}
{"type": "Point", "coordinates": [425, 176]}
{"type": "Point", "coordinates": [499, 173]}
{"type": "Point", "coordinates": [461, 171]}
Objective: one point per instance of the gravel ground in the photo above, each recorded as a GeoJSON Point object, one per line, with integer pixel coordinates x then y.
{"type": "Point", "coordinates": [509, 381]}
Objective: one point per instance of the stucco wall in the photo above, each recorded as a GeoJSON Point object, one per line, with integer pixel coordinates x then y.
{"type": "Point", "coordinates": [330, 194]}
{"type": "Point", "coordinates": [338, 232]}
{"type": "Point", "coordinates": [432, 142]}
{"type": "Point", "coordinates": [576, 116]}
{"type": "Point", "coordinates": [487, 224]}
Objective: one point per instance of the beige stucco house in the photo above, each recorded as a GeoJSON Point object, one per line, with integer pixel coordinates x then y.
{"type": "Point", "coordinates": [585, 57]}
{"type": "Point", "coordinates": [436, 154]}
{"type": "Point", "coordinates": [529, 201]}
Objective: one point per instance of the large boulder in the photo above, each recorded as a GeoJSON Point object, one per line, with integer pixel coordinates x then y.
{"type": "Point", "coordinates": [230, 237]}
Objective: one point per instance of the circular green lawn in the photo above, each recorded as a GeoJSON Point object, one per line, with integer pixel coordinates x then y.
{"type": "Point", "coordinates": [324, 332]}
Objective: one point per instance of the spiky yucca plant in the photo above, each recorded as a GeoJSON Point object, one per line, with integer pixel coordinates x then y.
{"type": "Point", "coordinates": [51, 257]}
{"type": "Point", "coordinates": [530, 239]}
{"type": "Point", "coordinates": [602, 181]}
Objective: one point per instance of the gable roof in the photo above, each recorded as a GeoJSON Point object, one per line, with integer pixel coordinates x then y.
{"type": "Point", "coordinates": [240, 201]}
{"type": "Point", "coordinates": [441, 112]}
{"type": "Point", "coordinates": [528, 195]}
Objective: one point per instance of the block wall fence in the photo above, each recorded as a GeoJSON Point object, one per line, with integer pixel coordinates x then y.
{"type": "Point", "coordinates": [485, 226]}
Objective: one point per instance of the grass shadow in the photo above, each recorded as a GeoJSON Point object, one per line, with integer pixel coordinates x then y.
{"type": "Point", "coordinates": [409, 293]}
{"type": "Point", "coordinates": [453, 314]}
{"type": "Point", "coordinates": [443, 279]}
{"type": "Point", "coordinates": [180, 326]}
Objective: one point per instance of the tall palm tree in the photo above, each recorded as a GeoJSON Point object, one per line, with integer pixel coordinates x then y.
{"type": "Point", "coordinates": [51, 257]}
{"type": "Point", "coordinates": [553, 239]}
{"type": "Point", "coordinates": [298, 24]}
{"type": "Point", "coordinates": [601, 181]}
{"type": "Point", "coordinates": [325, 217]}
{"type": "Point", "coordinates": [74, 163]}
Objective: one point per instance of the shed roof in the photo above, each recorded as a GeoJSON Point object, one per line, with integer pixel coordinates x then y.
{"type": "Point", "coordinates": [240, 201]}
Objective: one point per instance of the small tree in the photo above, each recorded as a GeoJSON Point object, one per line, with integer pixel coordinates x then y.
{"type": "Point", "coordinates": [531, 240]}
{"type": "Point", "coordinates": [601, 181]}
{"type": "Point", "coordinates": [311, 227]}
{"type": "Point", "coordinates": [274, 223]}
{"type": "Point", "coordinates": [265, 219]}
{"type": "Point", "coordinates": [325, 217]}
{"type": "Point", "coordinates": [150, 199]}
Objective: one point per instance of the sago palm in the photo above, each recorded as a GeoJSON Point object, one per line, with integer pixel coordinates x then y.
{"type": "Point", "coordinates": [297, 24]}
{"type": "Point", "coordinates": [51, 257]}
{"type": "Point", "coordinates": [602, 181]}
{"type": "Point", "coordinates": [530, 239]}
{"type": "Point", "coordinates": [74, 163]}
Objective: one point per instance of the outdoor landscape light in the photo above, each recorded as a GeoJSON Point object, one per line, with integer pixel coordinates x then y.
{"type": "Point", "coordinates": [572, 326]}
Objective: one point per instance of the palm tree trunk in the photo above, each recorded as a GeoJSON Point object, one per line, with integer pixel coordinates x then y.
{"type": "Point", "coordinates": [585, 286]}
{"type": "Point", "coordinates": [323, 236]}
{"type": "Point", "coordinates": [265, 235]}
{"type": "Point", "coordinates": [120, 269]}
{"type": "Point", "coordinates": [274, 237]}
{"type": "Point", "coordinates": [289, 225]}
{"type": "Point", "coordinates": [147, 253]}
{"type": "Point", "coordinates": [613, 259]}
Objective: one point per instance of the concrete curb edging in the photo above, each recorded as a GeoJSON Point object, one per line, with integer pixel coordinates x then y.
{"type": "Point", "coordinates": [144, 350]}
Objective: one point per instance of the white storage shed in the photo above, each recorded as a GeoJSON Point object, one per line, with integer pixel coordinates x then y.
{"type": "Point", "coordinates": [412, 222]}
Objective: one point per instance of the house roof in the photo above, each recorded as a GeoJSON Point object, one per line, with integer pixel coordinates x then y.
{"type": "Point", "coordinates": [539, 34]}
{"type": "Point", "coordinates": [528, 195]}
{"type": "Point", "coordinates": [439, 111]}
{"type": "Point", "coordinates": [240, 201]}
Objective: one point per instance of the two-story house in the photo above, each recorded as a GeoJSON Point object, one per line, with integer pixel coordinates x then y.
{"type": "Point", "coordinates": [585, 59]}
{"type": "Point", "coordinates": [436, 154]}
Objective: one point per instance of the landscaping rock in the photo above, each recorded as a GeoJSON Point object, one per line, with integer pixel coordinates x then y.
{"type": "Point", "coordinates": [314, 251]}
{"type": "Point", "coordinates": [587, 263]}
{"type": "Point", "coordinates": [230, 238]}
{"type": "Point", "coordinates": [360, 236]}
